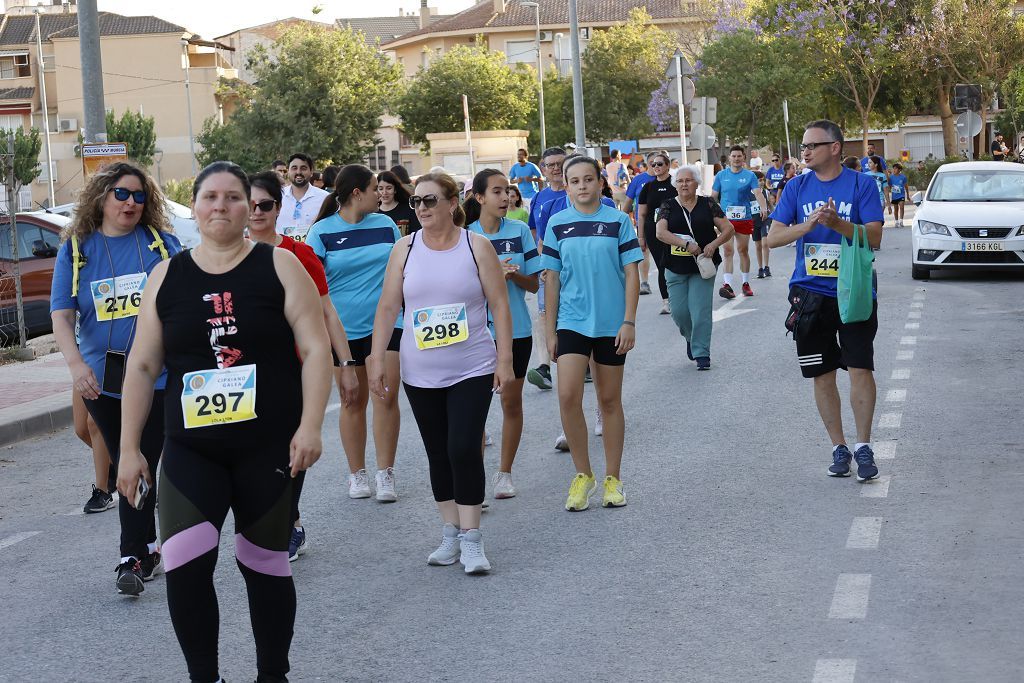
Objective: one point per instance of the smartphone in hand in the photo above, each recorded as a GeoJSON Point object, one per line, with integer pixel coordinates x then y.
{"type": "Point", "coordinates": [141, 491]}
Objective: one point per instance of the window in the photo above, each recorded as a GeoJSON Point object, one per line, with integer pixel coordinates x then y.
{"type": "Point", "coordinates": [12, 121]}
{"type": "Point", "coordinates": [521, 51]}
{"type": "Point", "coordinates": [29, 237]}
{"type": "Point", "coordinates": [15, 67]}
{"type": "Point", "coordinates": [382, 157]}
{"type": "Point", "coordinates": [43, 175]}
{"type": "Point", "coordinates": [395, 160]}
{"type": "Point", "coordinates": [49, 65]}
{"type": "Point", "coordinates": [921, 145]}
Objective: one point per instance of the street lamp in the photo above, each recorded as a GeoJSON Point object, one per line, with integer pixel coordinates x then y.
{"type": "Point", "coordinates": [540, 74]}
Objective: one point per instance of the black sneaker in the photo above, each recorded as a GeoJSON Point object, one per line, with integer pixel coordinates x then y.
{"type": "Point", "coordinates": [703, 363]}
{"type": "Point", "coordinates": [540, 377]}
{"type": "Point", "coordinates": [866, 468]}
{"type": "Point", "coordinates": [760, 273]}
{"type": "Point", "coordinates": [767, 271]}
{"type": "Point", "coordinates": [100, 501]}
{"type": "Point", "coordinates": [150, 566]}
{"type": "Point", "coordinates": [841, 458]}
{"type": "Point", "coordinates": [129, 577]}
{"type": "Point", "coordinates": [725, 291]}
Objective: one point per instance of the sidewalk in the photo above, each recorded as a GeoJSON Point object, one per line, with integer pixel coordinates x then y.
{"type": "Point", "coordinates": [35, 398]}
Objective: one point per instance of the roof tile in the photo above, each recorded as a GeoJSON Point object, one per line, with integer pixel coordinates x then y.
{"type": "Point", "coordinates": [17, 93]}
{"type": "Point", "coordinates": [118, 25]}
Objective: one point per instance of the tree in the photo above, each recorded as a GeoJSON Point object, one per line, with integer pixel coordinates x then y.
{"type": "Point", "coordinates": [318, 90]}
{"type": "Point", "coordinates": [499, 96]}
{"type": "Point", "coordinates": [26, 157]}
{"type": "Point", "coordinates": [621, 67]}
{"type": "Point", "coordinates": [138, 132]}
{"type": "Point", "coordinates": [558, 124]}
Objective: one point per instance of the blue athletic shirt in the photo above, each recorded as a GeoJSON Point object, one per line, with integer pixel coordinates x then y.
{"type": "Point", "coordinates": [515, 241]}
{"type": "Point", "coordinates": [856, 200]}
{"type": "Point", "coordinates": [553, 207]}
{"type": "Point", "coordinates": [881, 180]}
{"type": "Point", "coordinates": [898, 186]}
{"type": "Point", "coordinates": [126, 260]}
{"type": "Point", "coordinates": [735, 190]}
{"type": "Point", "coordinates": [864, 163]}
{"type": "Point", "coordinates": [355, 258]}
{"type": "Point", "coordinates": [543, 197]}
{"type": "Point", "coordinates": [527, 189]}
{"type": "Point", "coordinates": [590, 252]}
{"type": "Point", "coordinates": [773, 176]}
{"type": "Point", "coordinates": [633, 190]}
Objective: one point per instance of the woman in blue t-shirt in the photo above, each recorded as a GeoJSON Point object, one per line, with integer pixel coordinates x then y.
{"type": "Point", "coordinates": [517, 252]}
{"type": "Point", "coordinates": [591, 252]}
{"type": "Point", "coordinates": [882, 180]}
{"type": "Point", "coordinates": [354, 242]}
{"type": "Point", "coordinates": [119, 233]}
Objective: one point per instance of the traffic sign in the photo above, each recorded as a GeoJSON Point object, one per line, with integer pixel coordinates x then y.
{"type": "Point", "coordinates": [703, 136]}
{"type": "Point", "coordinates": [968, 124]}
{"type": "Point", "coordinates": [97, 155]}
{"type": "Point", "coordinates": [697, 110]}
{"type": "Point", "coordinates": [684, 65]}
{"type": "Point", "coordinates": [688, 92]}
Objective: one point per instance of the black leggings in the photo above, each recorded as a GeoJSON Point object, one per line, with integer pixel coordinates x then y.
{"type": "Point", "coordinates": [138, 527]}
{"type": "Point", "coordinates": [199, 480]}
{"type": "Point", "coordinates": [451, 422]}
{"type": "Point", "coordinates": [657, 249]}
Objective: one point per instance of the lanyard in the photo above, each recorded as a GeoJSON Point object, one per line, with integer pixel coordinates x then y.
{"type": "Point", "coordinates": [113, 274]}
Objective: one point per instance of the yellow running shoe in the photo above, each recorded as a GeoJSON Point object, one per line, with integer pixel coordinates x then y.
{"type": "Point", "coordinates": [580, 490]}
{"type": "Point", "coordinates": [613, 495]}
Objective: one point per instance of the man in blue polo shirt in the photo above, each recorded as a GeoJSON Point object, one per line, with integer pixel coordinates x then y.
{"type": "Point", "coordinates": [526, 176]}
{"type": "Point", "coordinates": [816, 210]}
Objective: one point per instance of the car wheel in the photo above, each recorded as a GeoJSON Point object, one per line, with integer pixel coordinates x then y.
{"type": "Point", "coordinates": [919, 272]}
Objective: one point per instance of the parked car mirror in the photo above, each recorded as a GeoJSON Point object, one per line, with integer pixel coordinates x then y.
{"type": "Point", "coordinates": [917, 198]}
{"type": "Point", "coordinates": [41, 249]}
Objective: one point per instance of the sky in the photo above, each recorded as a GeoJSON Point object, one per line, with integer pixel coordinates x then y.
{"type": "Point", "coordinates": [211, 18]}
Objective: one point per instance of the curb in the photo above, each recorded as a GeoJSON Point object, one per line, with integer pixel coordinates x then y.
{"type": "Point", "coordinates": [45, 420]}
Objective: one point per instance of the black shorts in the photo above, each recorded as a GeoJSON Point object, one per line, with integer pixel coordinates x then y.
{"type": "Point", "coordinates": [601, 348]}
{"type": "Point", "coordinates": [761, 229]}
{"type": "Point", "coordinates": [360, 348]}
{"type": "Point", "coordinates": [522, 349]}
{"type": "Point", "coordinates": [828, 344]}
{"type": "Point", "coordinates": [896, 201]}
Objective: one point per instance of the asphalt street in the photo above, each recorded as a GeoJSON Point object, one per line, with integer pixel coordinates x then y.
{"type": "Point", "coordinates": [736, 558]}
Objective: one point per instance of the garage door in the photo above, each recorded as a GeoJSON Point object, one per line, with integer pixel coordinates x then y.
{"type": "Point", "coordinates": [923, 144]}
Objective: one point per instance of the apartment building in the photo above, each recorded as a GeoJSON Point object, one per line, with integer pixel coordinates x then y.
{"type": "Point", "coordinates": [146, 62]}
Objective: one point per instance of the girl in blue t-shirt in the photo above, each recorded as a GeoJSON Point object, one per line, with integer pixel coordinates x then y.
{"type": "Point", "coordinates": [517, 252]}
{"type": "Point", "coordinates": [897, 193]}
{"type": "Point", "coordinates": [882, 180]}
{"type": "Point", "coordinates": [591, 252]}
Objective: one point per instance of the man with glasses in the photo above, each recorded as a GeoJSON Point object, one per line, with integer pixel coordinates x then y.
{"type": "Point", "coordinates": [300, 201]}
{"type": "Point", "coordinates": [773, 176]}
{"type": "Point", "coordinates": [816, 210]}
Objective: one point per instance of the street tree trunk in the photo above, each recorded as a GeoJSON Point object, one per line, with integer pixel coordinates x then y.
{"type": "Point", "coordinates": [946, 115]}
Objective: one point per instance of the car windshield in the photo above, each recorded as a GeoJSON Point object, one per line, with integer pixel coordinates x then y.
{"type": "Point", "coordinates": [977, 186]}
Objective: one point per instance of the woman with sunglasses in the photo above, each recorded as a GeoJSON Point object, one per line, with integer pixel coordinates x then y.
{"type": "Point", "coordinates": [394, 202]}
{"type": "Point", "coordinates": [354, 243]}
{"type": "Point", "coordinates": [447, 278]}
{"type": "Point", "coordinates": [520, 264]}
{"type": "Point", "coordinates": [593, 287]}
{"type": "Point", "coordinates": [265, 205]}
{"type": "Point", "coordinates": [117, 237]}
{"type": "Point", "coordinates": [652, 196]}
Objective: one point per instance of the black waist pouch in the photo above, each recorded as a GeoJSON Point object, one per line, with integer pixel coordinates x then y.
{"type": "Point", "coordinates": [803, 311]}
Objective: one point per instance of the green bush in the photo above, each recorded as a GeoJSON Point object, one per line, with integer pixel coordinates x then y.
{"type": "Point", "coordinates": [179, 191]}
{"type": "Point", "coordinates": [919, 179]}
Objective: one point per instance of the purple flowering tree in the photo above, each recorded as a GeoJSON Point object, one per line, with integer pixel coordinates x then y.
{"type": "Point", "coordinates": [661, 111]}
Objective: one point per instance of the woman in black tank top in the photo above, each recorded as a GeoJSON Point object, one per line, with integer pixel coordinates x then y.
{"type": "Point", "coordinates": [241, 331]}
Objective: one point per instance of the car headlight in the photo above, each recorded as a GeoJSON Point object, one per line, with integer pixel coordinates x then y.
{"type": "Point", "coordinates": [929, 228]}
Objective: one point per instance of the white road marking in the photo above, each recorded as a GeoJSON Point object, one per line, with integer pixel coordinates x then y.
{"type": "Point", "coordinates": [835, 670]}
{"type": "Point", "coordinates": [919, 296]}
{"type": "Point", "coordinates": [908, 341]}
{"type": "Point", "coordinates": [912, 326]}
{"type": "Point", "coordinates": [332, 407]}
{"type": "Point", "coordinates": [916, 304]}
{"type": "Point", "coordinates": [728, 310]}
{"type": "Point", "coordinates": [17, 538]}
{"type": "Point", "coordinates": [876, 488]}
{"type": "Point", "coordinates": [850, 601]}
{"type": "Point", "coordinates": [900, 373]}
{"type": "Point", "coordinates": [864, 533]}
{"type": "Point", "coordinates": [914, 315]}
{"type": "Point", "coordinates": [896, 396]}
{"type": "Point", "coordinates": [884, 450]}
{"type": "Point", "coordinates": [890, 420]}
{"type": "Point", "coordinates": [905, 355]}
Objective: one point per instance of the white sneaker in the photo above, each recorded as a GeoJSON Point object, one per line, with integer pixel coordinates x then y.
{"type": "Point", "coordinates": [561, 444]}
{"type": "Point", "coordinates": [488, 441]}
{"type": "Point", "coordinates": [503, 487]}
{"type": "Point", "coordinates": [358, 485]}
{"type": "Point", "coordinates": [385, 480]}
{"type": "Point", "coordinates": [448, 552]}
{"type": "Point", "coordinates": [599, 426]}
{"type": "Point", "coordinates": [472, 556]}
{"type": "Point", "coordinates": [666, 309]}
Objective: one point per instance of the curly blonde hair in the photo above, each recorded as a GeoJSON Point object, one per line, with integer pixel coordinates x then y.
{"type": "Point", "coordinates": [88, 214]}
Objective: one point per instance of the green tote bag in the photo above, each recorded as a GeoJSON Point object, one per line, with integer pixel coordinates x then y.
{"type": "Point", "coordinates": [854, 286]}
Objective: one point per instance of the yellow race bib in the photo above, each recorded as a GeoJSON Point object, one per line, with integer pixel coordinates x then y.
{"type": "Point", "coordinates": [118, 297]}
{"type": "Point", "coordinates": [440, 326]}
{"type": "Point", "coordinates": [214, 397]}
{"type": "Point", "coordinates": [821, 260]}
{"type": "Point", "coordinates": [679, 251]}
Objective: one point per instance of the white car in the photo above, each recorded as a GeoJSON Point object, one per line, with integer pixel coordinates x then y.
{"type": "Point", "coordinates": [972, 216]}
{"type": "Point", "coordinates": [185, 228]}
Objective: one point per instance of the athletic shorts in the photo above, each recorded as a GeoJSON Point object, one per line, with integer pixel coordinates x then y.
{"type": "Point", "coordinates": [361, 347]}
{"type": "Point", "coordinates": [601, 348]}
{"type": "Point", "coordinates": [830, 344]}
{"type": "Point", "coordinates": [897, 201]}
{"type": "Point", "coordinates": [522, 348]}
{"type": "Point", "coordinates": [745, 227]}
{"type": "Point", "coordinates": [760, 229]}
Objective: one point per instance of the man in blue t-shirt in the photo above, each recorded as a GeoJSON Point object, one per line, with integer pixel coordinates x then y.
{"type": "Point", "coordinates": [632, 207]}
{"type": "Point", "coordinates": [526, 176]}
{"type": "Point", "coordinates": [737, 189]}
{"type": "Point", "coordinates": [864, 160]}
{"type": "Point", "coordinates": [773, 176]}
{"type": "Point", "coordinates": [816, 210]}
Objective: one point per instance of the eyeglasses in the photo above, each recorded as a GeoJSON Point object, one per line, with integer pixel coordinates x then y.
{"type": "Point", "coordinates": [121, 194]}
{"type": "Point", "coordinates": [655, 164]}
{"type": "Point", "coordinates": [266, 206]}
{"type": "Point", "coordinates": [811, 146]}
{"type": "Point", "coordinates": [428, 200]}
{"type": "Point", "coordinates": [775, 160]}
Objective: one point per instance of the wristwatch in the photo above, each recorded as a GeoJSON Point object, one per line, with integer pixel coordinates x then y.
{"type": "Point", "coordinates": [346, 363]}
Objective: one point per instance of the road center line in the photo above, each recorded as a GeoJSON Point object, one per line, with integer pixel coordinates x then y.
{"type": "Point", "coordinates": [900, 373]}
{"type": "Point", "coordinates": [914, 315]}
{"type": "Point", "coordinates": [908, 341]}
{"type": "Point", "coordinates": [850, 601]}
{"type": "Point", "coordinates": [884, 450]}
{"type": "Point", "coordinates": [17, 538]}
{"type": "Point", "coordinates": [916, 304]}
{"type": "Point", "coordinates": [890, 420]}
{"type": "Point", "coordinates": [835, 670]}
{"type": "Point", "coordinates": [905, 355]}
{"type": "Point", "coordinates": [876, 488]}
{"type": "Point", "coordinates": [912, 326]}
{"type": "Point", "coordinates": [896, 396]}
{"type": "Point", "coordinates": [864, 533]}
{"type": "Point", "coordinates": [919, 296]}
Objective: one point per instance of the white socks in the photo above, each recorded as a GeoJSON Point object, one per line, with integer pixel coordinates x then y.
{"type": "Point", "coordinates": [746, 277]}
{"type": "Point", "coordinates": [727, 278]}
{"type": "Point", "coordinates": [857, 447]}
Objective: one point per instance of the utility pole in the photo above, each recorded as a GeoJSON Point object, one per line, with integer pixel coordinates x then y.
{"type": "Point", "coordinates": [92, 72]}
{"type": "Point", "coordinates": [577, 79]}
{"type": "Point", "coordinates": [188, 98]}
{"type": "Point", "coordinates": [8, 162]}
{"type": "Point", "coordinates": [45, 107]}
{"type": "Point", "coordinates": [540, 75]}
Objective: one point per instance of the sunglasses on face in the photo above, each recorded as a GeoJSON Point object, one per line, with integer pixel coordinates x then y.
{"type": "Point", "coordinates": [429, 201]}
{"type": "Point", "coordinates": [266, 206]}
{"type": "Point", "coordinates": [811, 146]}
{"type": "Point", "coordinates": [656, 164]}
{"type": "Point", "coordinates": [121, 194]}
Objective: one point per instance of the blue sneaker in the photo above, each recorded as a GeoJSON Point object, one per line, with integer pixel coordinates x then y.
{"type": "Point", "coordinates": [865, 463]}
{"type": "Point", "coordinates": [841, 458]}
{"type": "Point", "coordinates": [297, 544]}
